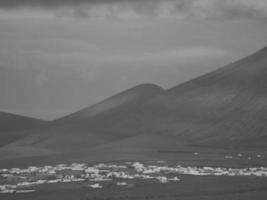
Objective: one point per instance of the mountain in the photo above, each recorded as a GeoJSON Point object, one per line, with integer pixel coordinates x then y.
{"type": "Point", "coordinates": [94, 125]}
{"type": "Point", "coordinates": [12, 126]}
{"type": "Point", "coordinates": [125, 102]}
{"type": "Point", "coordinates": [224, 109]}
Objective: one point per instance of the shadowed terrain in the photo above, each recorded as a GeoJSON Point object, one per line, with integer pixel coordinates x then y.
{"type": "Point", "coordinates": [12, 126]}
{"type": "Point", "coordinates": [190, 189]}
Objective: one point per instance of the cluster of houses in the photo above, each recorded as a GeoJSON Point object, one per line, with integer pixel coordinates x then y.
{"type": "Point", "coordinates": [16, 180]}
{"type": "Point", "coordinates": [239, 155]}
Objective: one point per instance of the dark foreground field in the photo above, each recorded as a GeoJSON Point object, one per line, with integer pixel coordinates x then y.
{"type": "Point", "coordinates": [190, 187]}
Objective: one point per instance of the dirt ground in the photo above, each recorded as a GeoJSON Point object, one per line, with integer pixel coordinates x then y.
{"type": "Point", "coordinates": [189, 188]}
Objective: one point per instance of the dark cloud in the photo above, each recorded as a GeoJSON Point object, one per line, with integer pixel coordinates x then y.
{"type": "Point", "coordinates": [243, 9]}
{"type": "Point", "coordinates": [203, 9]}
{"type": "Point", "coordinates": [57, 3]}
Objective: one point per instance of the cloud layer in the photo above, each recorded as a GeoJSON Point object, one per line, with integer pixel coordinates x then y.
{"type": "Point", "coordinates": [62, 55]}
{"type": "Point", "coordinates": [134, 9]}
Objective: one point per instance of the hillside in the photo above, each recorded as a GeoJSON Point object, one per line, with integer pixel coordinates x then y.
{"type": "Point", "coordinates": [93, 125]}
{"type": "Point", "coordinates": [12, 126]}
{"type": "Point", "coordinates": [224, 109]}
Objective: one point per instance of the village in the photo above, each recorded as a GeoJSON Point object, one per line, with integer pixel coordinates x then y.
{"type": "Point", "coordinates": [16, 180]}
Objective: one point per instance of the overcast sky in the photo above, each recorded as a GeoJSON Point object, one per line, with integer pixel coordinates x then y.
{"type": "Point", "coordinates": [58, 56]}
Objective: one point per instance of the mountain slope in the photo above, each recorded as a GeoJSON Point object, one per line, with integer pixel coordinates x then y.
{"type": "Point", "coordinates": [94, 125]}
{"type": "Point", "coordinates": [12, 126]}
{"type": "Point", "coordinates": [128, 98]}
{"type": "Point", "coordinates": [227, 106]}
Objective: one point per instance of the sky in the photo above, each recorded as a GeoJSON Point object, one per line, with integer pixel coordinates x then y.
{"type": "Point", "coordinates": [59, 56]}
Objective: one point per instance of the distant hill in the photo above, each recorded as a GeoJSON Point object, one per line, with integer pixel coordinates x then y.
{"type": "Point", "coordinates": [225, 109]}
{"type": "Point", "coordinates": [12, 126]}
